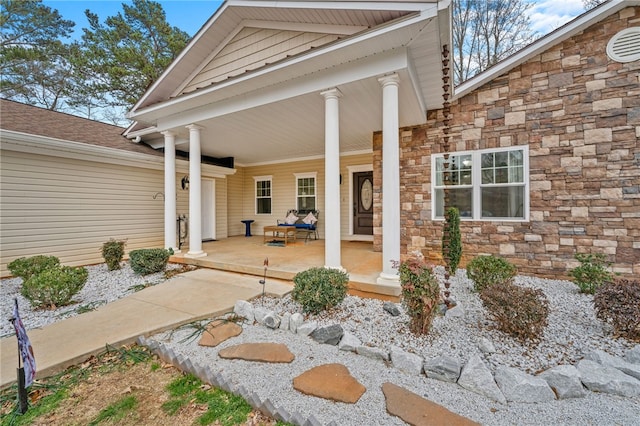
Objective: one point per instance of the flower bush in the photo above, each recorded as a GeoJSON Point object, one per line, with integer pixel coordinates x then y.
{"type": "Point", "coordinates": [618, 303]}
{"type": "Point", "coordinates": [490, 270]}
{"type": "Point", "coordinates": [318, 289]}
{"type": "Point", "coordinates": [26, 267]}
{"type": "Point", "coordinates": [149, 261]}
{"type": "Point", "coordinates": [54, 287]}
{"type": "Point", "coordinates": [420, 293]}
{"type": "Point", "coordinates": [592, 272]}
{"type": "Point", "coordinates": [113, 252]}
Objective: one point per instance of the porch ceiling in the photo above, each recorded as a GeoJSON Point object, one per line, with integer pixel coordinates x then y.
{"type": "Point", "coordinates": [294, 128]}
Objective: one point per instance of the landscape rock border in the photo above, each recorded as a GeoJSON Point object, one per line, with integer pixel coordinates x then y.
{"type": "Point", "coordinates": [598, 372]}
{"type": "Point", "coordinates": [565, 381]}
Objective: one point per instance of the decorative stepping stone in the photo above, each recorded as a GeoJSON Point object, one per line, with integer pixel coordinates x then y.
{"type": "Point", "coordinates": [218, 331]}
{"type": "Point", "coordinates": [330, 381]}
{"type": "Point", "coordinates": [418, 411]}
{"type": "Point", "coordinates": [258, 352]}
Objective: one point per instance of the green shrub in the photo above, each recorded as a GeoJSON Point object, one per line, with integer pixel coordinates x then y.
{"type": "Point", "coordinates": [148, 261]}
{"type": "Point", "coordinates": [518, 311]}
{"type": "Point", "coordinates": [489, 270]}
{"type": "Point", "coordinates": [618, 302]}
{"type": "Point", "coordinates": [591, 273]}
{"type": "Point", "coordinates": [26, 267]}
{"type": "Point", "coordinates": [318, 289]}
{"type": "Point", "coordinates": [54, 286]}
{"type": "Point", "coordinates": [451, 240]}
{"type": "Point", "coordinates": [420, 294]}
{"type": "Point", "coordinates": [113, 252]}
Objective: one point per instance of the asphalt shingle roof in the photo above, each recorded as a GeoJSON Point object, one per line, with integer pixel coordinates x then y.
{"type": "Point", "coordinates": [33, 120]}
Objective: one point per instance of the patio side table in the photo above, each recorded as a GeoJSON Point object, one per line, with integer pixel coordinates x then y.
{"type": "Point", "coordinates": [247, 224]}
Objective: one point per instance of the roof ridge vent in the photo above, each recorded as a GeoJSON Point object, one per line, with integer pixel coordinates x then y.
{"type": "Point", "coordinates": [625, 45]}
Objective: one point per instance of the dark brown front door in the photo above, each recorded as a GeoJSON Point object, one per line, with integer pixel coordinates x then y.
{"type": "Point", "coordinates": [363, 203]}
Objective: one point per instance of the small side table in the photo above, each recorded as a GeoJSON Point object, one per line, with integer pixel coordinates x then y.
{"type": "Point", "coordinates": [247, 224]}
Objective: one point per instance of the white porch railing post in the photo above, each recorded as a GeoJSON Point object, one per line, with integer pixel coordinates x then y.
{"type": "Point", "coordinates": [331, 214]}
{"type": "Point", "coordinates": [195, 193]}
{"type": "Point", "coordinates": [390, 181]}
{"type": "Point", "coordinates": [170, 226]}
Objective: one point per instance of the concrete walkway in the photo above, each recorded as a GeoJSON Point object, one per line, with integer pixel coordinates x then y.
{"type": "Point", "coordinates": [195, 295]}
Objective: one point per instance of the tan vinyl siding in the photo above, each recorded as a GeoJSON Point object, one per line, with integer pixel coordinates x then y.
{"type": "Point", "coordinates": [253, 48]}
{"type": "Point", "coordinates": [235, 211]}
{"type": "Point", "coordinates": [221, 209]}
{"type": "Point", "coordinates": [68, 208]}
{"type": "Point", "coordinates": [283, 181]}
{"type": "Point", "coordinates": [182, 205]}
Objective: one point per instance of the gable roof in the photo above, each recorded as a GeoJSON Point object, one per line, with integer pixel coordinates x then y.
{"type": "Point", "coordinates": [543, 44]}
{"type": "Point", "coordinates": [28, 119]}
{"type": "Point", "coordinates": [300, 49]}
{"type": "Point", "coordinates": [331, 17]}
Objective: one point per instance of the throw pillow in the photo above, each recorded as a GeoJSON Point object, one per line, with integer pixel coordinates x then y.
{"type": "Point", "coordinates": [310, 219]}
{"type": "Point", "coordinates": [291, 219]}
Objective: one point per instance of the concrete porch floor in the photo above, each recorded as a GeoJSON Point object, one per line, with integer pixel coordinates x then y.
{"type": "Point", "coordinates": [246, 255]}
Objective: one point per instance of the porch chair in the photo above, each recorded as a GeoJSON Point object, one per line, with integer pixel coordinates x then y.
{"type": "Point", "coordinates": [302, 222]}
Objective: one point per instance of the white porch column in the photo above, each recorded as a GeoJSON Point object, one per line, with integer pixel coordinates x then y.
{"type": "Point", "coordinates": [195, 195]}
{"type": "Point", "coordinates": [331, 214]}
{"type": "Point", "coordinates": [170, 226]}
{"type": "Point", "coordinates": [390, 181]}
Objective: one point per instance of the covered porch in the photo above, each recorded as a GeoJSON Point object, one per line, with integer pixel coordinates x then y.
{"type": "Point", "coordinates": [247, 254]}
{"type": "Point", "coordinates": [275, 86]}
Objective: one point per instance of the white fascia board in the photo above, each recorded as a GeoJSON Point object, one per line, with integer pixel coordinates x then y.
{"type": "Point", "coordinates": [142, 132]}
{"type": "Point", "coordinates": [372, 66]}
{"type": "Point", "coordinates": [34, 144]}
{"type": "Point", "coordinates": [328, 50]}
{"type": "Point", "coordinates": [544, 43]}
{"type": "Point", "coordinates": [207, 170]}
{"type": "Point", "coordinates": [352, 5]}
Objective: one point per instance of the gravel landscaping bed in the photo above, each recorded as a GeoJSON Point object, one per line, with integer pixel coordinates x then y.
{"type": "Point", "coordinates": [572, 332]}
{"type": "Point", "coordinates": [102, 286]}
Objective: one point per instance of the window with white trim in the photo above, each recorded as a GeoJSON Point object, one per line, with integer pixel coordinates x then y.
{"type": "Point", "coordinates": [490, 184]}
{"type": "Point", "coordinates": [306, 192]}
{"type": "Point", "coordinates": [263, 194]}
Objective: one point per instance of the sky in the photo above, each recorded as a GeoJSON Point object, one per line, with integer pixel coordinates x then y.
{"type": "Point", "coordinates": [190, 15]}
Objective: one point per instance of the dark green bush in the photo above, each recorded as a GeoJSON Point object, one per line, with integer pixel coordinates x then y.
{"type": "Point", "coordinates": [318, 289]}
{"type": "Point", "coordinates": [591, 273]}
{"type": "Point", "coordinates": [520, 312]}
{"type": "Point", "coordinates": [113, 252]}
{"type": "Point", "coordinates": [618, 302]}
{"type": "Point", "coordinates": [451, 240]}
{"type": "Point", "coordinates": [26, 267]}
{"type": "Point", "coordinates": [54, 286]}
{"type": "Point", "coordinates": [489, 270]}
{"type": "Point", "coordinates": [420, 294]}
{"type": "Point", "coordinates": [148, 261]}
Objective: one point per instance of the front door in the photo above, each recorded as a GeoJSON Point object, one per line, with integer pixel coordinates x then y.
{"type": "Point", "coordinates": [363, 203]}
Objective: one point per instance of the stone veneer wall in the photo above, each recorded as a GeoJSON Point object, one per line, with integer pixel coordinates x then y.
{"type": "Point", "coordinates": [579, 112]}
